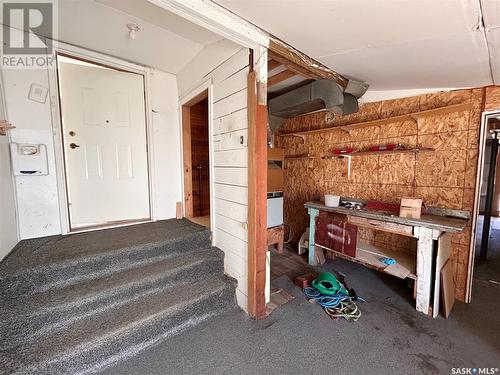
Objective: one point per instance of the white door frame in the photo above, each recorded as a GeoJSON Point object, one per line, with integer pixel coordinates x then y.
{"type": "Point", "coordinates": [91, 56]}
{"type": "Point", "coordinates": [205, 86]}
{"type": "Point", "coordinates": [477, 196]}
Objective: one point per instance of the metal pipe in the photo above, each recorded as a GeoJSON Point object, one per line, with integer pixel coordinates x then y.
{"type": "Point", "coordinates": [489, 198]}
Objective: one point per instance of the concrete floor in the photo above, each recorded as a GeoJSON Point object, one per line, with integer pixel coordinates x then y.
{"type": "Point", "coordinates": [299, 338]}
{"type": "Point", "coordinates": [488, 269]}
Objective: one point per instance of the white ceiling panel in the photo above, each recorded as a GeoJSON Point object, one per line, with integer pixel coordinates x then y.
{"type": "Point", "coordinates": [160, 17]}
{"type": "Point", "coordinates": [392, 44]}
{"type": "Point", "coordinates": [165, 41]}
{"type": "Point", "coordinates": [436, 62]}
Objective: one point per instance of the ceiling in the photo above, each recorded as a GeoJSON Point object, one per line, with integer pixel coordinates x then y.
{"type": "Point", "coordinates": [392, 45]}
{"type": "Point", "coordinates": [165, 41]}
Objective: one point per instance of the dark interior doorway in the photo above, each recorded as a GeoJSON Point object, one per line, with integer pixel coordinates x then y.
{"type": "Point", "coordinates": [196, 160]}
{"type": "Point", "coordinates": [487, 244]}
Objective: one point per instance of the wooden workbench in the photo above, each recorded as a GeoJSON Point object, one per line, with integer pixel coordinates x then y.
{"type": "Point", "coordinates": [433, 234]}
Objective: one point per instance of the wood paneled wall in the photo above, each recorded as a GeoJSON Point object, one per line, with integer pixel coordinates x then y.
{"type": "Point", "coordinates": [199, 158]}
{"type": "Point", "coordinates": [443, 178]}
{"type": "Point", "coordinates": [230, 132]}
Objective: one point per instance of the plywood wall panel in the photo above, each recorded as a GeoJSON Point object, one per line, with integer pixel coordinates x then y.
{"type": "Point", "coordinates": [471, 168]}
{"type": "Point", "coordinates": [445, 140]}
{"type": "Point", "coordinates": [398, 129]}
{"type": "Point", "coordinates": [444, 178]}
{"type": "Point", "coordinates": [403, 175]}
{"type": "Point", "coordinates": [492, 98]}
{"type": "Point", "coordinates": [441, 168]}
{"type": "Point", "coordinates": [444, 123]}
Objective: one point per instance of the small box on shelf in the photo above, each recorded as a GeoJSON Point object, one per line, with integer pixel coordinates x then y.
{"type": "Point", "coordinates": [411, 208]}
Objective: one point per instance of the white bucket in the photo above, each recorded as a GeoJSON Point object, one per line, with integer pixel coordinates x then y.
{"type": "Point", "coordinates": [332, 200]}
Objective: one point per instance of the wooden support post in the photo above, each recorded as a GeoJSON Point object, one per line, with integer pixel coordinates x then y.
{"type": "Point", "coordinates": [313, 213]}
{"type": "Point", "coordinates": [425, 249]}
{"type": "Point", "coordinates": [257, 184]}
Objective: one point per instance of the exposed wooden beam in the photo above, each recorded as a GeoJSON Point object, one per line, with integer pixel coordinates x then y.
{"type": "Point", "coordinates": [280, 77]}
{"type": "Point", "coordinates": [293, 67]}
{"type": "Point", "coordinates": [305, 62]}
{"type": "Point", "coordinates": [273, 64]}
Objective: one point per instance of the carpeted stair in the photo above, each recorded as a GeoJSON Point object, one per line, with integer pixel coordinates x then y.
{"type": "Point", "coordinates": [78, 304]}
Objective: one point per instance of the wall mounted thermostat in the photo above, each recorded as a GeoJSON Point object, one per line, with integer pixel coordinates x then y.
{"type": "Point", "coordinates": [29, 159]}
{"type": "Point", "coordinates": [38, 93]}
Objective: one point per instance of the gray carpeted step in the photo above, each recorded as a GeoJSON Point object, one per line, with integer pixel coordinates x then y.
{"type": "Point", "coordinates": [92, 344]}
{"type": "Point", "coordinates": [60, 261]}
{"type": "Point", "coordinates": [29, 317]}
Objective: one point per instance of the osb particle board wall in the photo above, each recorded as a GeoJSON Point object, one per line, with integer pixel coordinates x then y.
{"type": "Point", "coordinates": [443, 178]}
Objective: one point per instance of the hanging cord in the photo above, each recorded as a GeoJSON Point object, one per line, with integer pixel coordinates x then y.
{"type": "Point", "coordinates": [338, 305]}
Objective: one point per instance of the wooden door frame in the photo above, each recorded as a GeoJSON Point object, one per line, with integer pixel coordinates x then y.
{"type": "Point", "coordinates": [477, 198]}
{"type": "Point", "coordinates": [205, 90]}
{"type": "Point", "coordinates": [117, 64]}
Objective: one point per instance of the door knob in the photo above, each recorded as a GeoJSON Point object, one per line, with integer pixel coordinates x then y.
{"type": "Point", "coordinates": [73, 145]}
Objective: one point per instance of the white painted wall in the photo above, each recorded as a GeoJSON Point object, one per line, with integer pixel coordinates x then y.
{"type": "Point", "coordinates": [202, 65]}
{"type": "Point", "coordinates": [37, 196]}
{"type": "Point", "coordinates": [227, 65]}
{"type": "Point", "coordinates": [167, 161]}
{"type": "Point", "coordinates": [8, 223]}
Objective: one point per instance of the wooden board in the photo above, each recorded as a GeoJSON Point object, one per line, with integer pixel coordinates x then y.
{"type": "Point", "coordinates": [443, 255]}
{"type": "Point", "coordinates": [187, 161]}
{"type": "Point", "coordinates": [404, 230]}
{"type": "Point", "coordinates": [276, 236]}
{"type": "Point", "coordinates": [448, 288]}
{"type": "Point", "coordinates": [257, 198]}
{"type": "Point", "coordinates": [425, 250]}
{"type": "Point", "coordinates": [370, 255]}
{"type": "Point", "coordinates": [405, 262]}
{"type": "Point", "coordinates": [178, 210]}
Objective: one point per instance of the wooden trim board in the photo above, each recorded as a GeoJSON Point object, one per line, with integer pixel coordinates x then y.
{"type": "Point", "coordinates": [257, 199]}
{"type": "Point", "coordinates": [186, 155]}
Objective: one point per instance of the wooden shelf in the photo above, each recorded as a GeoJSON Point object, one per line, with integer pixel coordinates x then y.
{"type": "Point", "coordinates": [302, 157]}
{"type": "Point", "coordinates": [370, 255]}
{"type": "Point", "coordinates": [414, 116]}
{"type": "Point", "coordinates": [361, 153]}
{"type": "Point", "coordinates": [386, 152]}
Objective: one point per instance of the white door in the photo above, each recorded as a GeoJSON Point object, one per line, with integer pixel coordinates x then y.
{"type": "Point", "coordinates": [104, 135]}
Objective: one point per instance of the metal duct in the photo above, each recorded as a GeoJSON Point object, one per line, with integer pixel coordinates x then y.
{"type": "Point", "coordinates": [318, 95]}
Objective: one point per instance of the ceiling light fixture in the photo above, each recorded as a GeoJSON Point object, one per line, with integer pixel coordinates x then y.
{"type": "Point", "coordinates": [133, 29]}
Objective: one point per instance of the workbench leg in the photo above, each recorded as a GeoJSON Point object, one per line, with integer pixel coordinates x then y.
{"type": "Point", "coordinates": [313, 213]}
{"type": "Point", "coordinates": [425, 248]}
